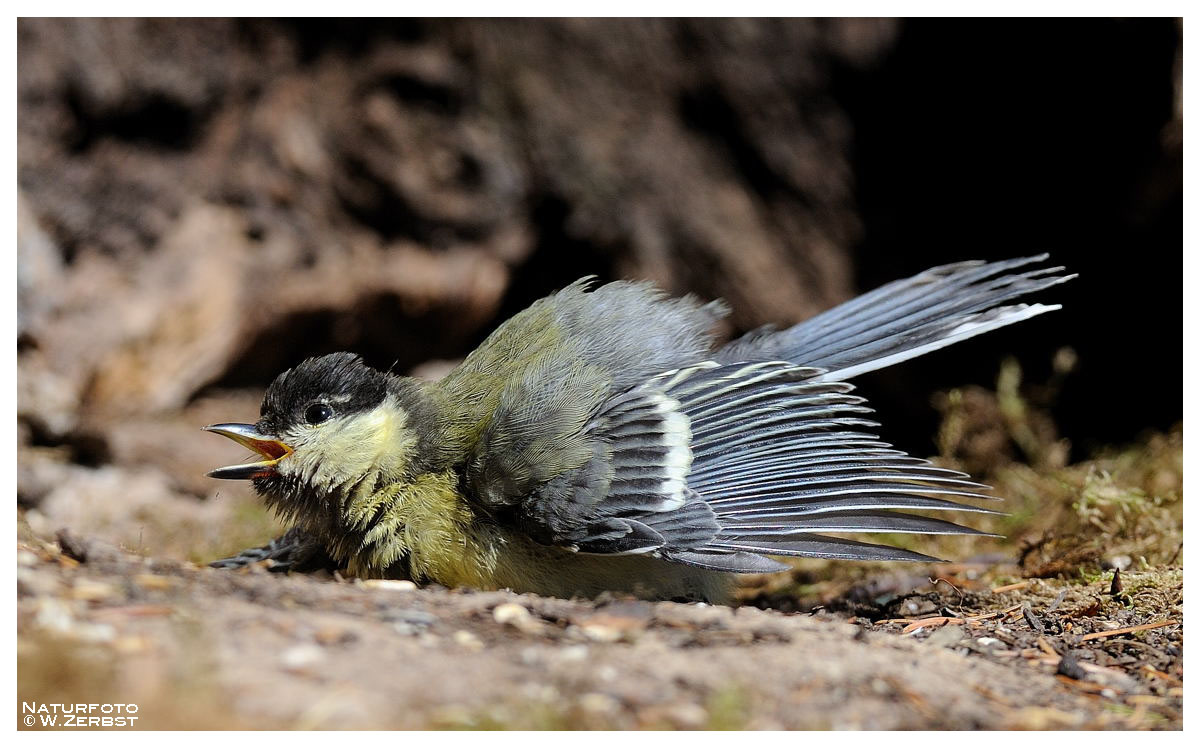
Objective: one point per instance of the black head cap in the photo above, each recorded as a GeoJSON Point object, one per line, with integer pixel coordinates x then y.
{"type": "Point", "coordinates": [340, 380]}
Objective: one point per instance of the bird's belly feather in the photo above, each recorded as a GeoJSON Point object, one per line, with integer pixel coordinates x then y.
{"type": "Point", "coordinates": [447, 543]}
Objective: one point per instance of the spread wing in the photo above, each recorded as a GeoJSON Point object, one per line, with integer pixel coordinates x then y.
{"type": "Point", "coordinates": [630, 494]}
{"type": "Point", "coordinates": [548, 409]}
{"type": "Point", "coordinates": [719, 466]}
{"type": "Point", "coordinates": [782, 456]}
{"type": "Point", "coordinates": [723, 463]}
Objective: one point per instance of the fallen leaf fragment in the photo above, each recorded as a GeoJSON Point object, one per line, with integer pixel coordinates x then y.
{"type": "Point", "coordinates": [1126, 630]}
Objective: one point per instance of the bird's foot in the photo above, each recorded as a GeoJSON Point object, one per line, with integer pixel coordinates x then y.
{"type": "Point", "coordinates": [292, 551]}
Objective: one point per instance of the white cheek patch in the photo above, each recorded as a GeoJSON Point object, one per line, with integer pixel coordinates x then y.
{"type": "Point", "coordinates": [348, 448]}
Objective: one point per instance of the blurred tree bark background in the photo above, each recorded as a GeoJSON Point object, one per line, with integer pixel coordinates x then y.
{"type": "Point", "coordinates": [205, 202]}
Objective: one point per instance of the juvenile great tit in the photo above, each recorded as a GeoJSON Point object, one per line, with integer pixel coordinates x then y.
{"type": "Point", "coordinates": [598, 441]}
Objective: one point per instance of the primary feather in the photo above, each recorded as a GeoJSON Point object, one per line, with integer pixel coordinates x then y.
{"type": "Point", "coordinates": [905, 318]}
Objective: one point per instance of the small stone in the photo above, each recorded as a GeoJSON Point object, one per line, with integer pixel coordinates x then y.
{"type": "Point", "coordinates": [467, 640]}
{"type": "Point", "coordinates": [1069, 666]}
{"type": "Point", "coordinates": [94, 633]}
{"type": "Point", "coordinates": [131, 644]}
{"type": "Point", "coordinates": [506, 612]}
{"type": "Point", "coordinates": [86, 589]}
{"type": "Point", "coordinates": [395, 585]}
{"type": "Point", "coordinates": [598, 632]}
{"type": "Point", "coordinates": [688, 716]}
{"type": "Point", "coordinates": [302, 656]}
{"type": "Point", "coordinates": [55, 615]}
{"type": "Point", "coordinates": [946, 636]}
{"type": "Point", "coordinates": [153, 582]}
{"type": "Point", "coordinates": [599, 704]}
{"type": "Point", "coordinates": [33, 583]}
{"type": "Point", "coordinates": [26, 558]}
{"type": "Point", "coordinates": [918, 607]}
{"type": "Point", "coordinates": [606, 628]}
{"type": "Point", "coordinates": [573, 653]}
{"type": "Point", "coordinates": [330, 635]}
{"type": "Point", "coordinates": [512, 614]}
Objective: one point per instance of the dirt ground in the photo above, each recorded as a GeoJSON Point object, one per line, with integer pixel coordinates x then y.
{"type": "Point", "coordinates": [1035, 634]}
{"type": "Point", "coordinates": [201, 648]}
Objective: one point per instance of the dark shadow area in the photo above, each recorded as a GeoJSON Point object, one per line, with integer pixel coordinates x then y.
{"type": "Point", "coordinates": [154, 120]}
{"type": "Point", "coordinates": [558, 260]}
{"type": "Point", "coordinates": [996, 139]}
{"type": "Point", "coordinates": [379, 328]}
{"type": "Point", "coordinates": [349, 36]}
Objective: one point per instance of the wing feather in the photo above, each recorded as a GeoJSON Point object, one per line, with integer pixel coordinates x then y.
{"type": "Point", "coordinates": [778, 457]}
{"type": "Point", "coordinates": [905, 318]}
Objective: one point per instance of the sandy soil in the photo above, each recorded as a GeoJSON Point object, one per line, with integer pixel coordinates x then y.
{"type": "Point", "coordinates": [195, 647]}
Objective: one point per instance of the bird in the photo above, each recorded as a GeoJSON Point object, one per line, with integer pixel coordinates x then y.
{"type": "Point", "coordinates": [604, 440]}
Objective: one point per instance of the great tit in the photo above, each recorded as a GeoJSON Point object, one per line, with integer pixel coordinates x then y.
{"type": "Point", "coordinates": [600, 441]}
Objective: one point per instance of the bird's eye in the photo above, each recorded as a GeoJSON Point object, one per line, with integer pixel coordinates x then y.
{"type": "Point", "coordinates": [318, 413]}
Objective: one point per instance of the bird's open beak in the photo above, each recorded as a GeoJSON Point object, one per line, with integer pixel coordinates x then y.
{"type": "Point", "coordinates": [249, 436]}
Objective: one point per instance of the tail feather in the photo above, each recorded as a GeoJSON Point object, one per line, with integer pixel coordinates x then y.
{"type": "Point", "coordinates": [906, 318]}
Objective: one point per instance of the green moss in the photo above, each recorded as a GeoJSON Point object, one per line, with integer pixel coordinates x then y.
{"type": "Point", "coordinates": [728, 709]}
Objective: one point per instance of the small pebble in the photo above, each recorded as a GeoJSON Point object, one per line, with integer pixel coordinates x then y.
{"type": "Point", "coordinates": [573, 653]}
{"type": "Point", "coordinates": [598, 632]}
{"type": "Point", "coordinates": [467, 640]}
{"type": "Point", "coordinates": [153, 582]}
{"type": "Point", "coordinates": [599, 704]}
{"type": "Point", "coordinates": [94, 633]}
{"type": "Point", "coordinates": [330, 635]}
{"type": "Point", "coordinates": [1070, 667]}
{"type": "Point", "coordinates": [131, 644]}
{"type": "Point", "coordinates": [302, 656]}
{"type": "Point", "coordinates": [687, 716]}
{"type": "Point", "coordinates": [54, 615]}
{"type": "Point", "coordinates": [514, 615]}
{"type": "Point", "coordinates": [86, 589]}
{"type": "Point", "coordinates": [946, 636]}
{"type": "Point", "coordinates": [400, 585]}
